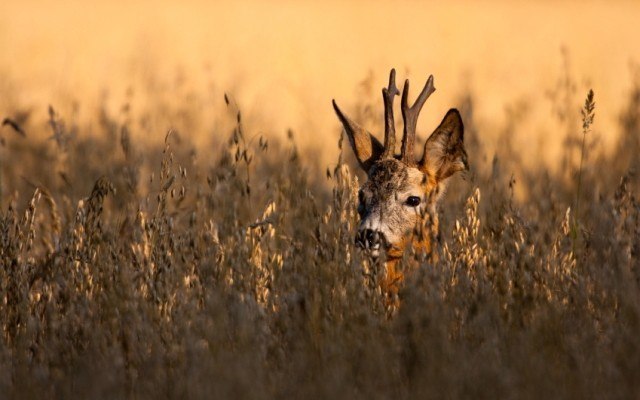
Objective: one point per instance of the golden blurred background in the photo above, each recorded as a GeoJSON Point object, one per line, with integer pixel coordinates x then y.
{"type": "Point", "coordinates": [283, 61]}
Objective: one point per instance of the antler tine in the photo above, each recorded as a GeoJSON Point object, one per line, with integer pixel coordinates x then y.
{"type": "Point", "coordinates": [388, 95]}
{"type": "Point", "coordinates": [410, 117]}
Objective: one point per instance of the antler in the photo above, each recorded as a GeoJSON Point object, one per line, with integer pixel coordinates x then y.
{"type": "Point", "coordinates": [410, 117]}
{"type": "Point", "coordinates": [388, 95]}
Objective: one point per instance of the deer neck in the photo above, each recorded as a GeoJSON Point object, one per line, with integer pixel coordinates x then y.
{"type": "Point", "coordinates": [422, 243]}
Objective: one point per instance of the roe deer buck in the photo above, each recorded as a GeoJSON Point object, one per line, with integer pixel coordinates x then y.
{"type": "Point", "coordinates": [401, 192]}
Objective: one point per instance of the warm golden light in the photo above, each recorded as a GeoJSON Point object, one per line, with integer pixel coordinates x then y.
{"type": "Point", "coordinates": [283, 61]}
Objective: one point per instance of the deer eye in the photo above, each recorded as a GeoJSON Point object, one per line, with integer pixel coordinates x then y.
{"type": "Point", "coordinates": [413, 201]}
{"type": "Point", "coordinates": [361, 196]}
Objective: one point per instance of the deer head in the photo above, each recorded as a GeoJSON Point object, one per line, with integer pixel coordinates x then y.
{"type": "Point", "coordinates": [401, 190]}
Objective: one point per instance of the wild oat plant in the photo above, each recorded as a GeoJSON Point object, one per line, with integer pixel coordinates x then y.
{"type": "Point", "coordinates": [131, 271]}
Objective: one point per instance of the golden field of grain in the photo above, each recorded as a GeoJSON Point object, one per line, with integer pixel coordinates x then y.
{"type": "Point", "coordinates": [178, 209]}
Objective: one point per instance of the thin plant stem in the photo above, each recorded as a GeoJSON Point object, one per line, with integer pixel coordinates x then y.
{"type": "Point", "coordinates": [587, 120]}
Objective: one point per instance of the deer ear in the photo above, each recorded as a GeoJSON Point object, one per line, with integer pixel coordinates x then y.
{"type": "Point", "coordinates": [444, 152]}
{"type": "Point", "coordinates": [365, 146]}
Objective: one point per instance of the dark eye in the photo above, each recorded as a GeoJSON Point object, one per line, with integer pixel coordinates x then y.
{"type": "Point", "coordinates": [413, 201]}
{"type": "Point", "coordinates": [361, 196]}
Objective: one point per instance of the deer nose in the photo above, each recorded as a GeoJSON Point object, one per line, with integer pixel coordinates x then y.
{"type": "Point", "coordinates": [369, 239]}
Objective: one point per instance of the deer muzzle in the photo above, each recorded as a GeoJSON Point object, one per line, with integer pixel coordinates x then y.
{"type": "Point", "coordinates": [371, 241]}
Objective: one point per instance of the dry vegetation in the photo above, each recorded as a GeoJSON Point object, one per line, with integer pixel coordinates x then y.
{"type": "Point", "coordinates": [229, 271]}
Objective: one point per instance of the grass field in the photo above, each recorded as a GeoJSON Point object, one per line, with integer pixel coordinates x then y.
{"type": "Point", "coordinates": [177, 209]}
